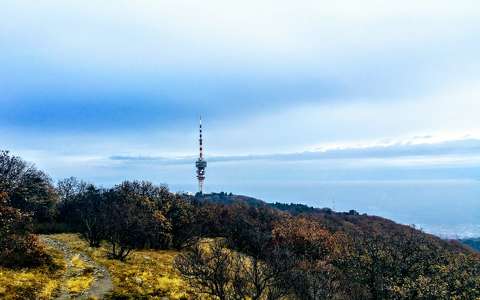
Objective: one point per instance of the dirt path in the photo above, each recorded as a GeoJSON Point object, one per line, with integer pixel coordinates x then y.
{"type": "Point", "coordinates": [102, 283]}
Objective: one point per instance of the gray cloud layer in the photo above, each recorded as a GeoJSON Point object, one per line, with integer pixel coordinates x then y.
{"type": "Point", "coordinates": [465, 147]}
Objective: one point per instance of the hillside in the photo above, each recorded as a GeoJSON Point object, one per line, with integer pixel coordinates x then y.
{"type": "Point", "coordinates": [350, 221]}
{"type": "Point", "coordinates": [137, 240]}
{"type": "Point", "coordinates": [474, 243]}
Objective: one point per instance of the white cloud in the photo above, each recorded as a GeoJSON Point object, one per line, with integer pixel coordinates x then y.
{"type": "Point", "coordinates": [353, 42]}
{"type": "Point", "coordinates": [141, 34]}
{"type": "Point", "coordinates": [449, 113]}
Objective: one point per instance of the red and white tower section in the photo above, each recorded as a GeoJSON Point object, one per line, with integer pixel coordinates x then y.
{"type": "Point", "coordinates": [201, 163]}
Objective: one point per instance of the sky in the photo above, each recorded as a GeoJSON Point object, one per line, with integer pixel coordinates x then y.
{"type": "Point", "coordinates": [112, 90]}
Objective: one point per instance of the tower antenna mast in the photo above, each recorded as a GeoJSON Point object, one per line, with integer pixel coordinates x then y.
{"type": "Point", "coordinates": [201, 163]}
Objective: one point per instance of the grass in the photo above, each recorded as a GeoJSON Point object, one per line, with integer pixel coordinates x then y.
{"type": "Point", "coordinates": [33, 283]}
{"type": "Point", "coordinates": [82, 276]}
{"type": "Point", "coordinates": [145, 274]}
{"type": "Point", "coordinates": [78, 284]}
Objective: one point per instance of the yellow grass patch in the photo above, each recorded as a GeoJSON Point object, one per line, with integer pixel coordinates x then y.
{"type": "Point", "coordinates": [81, 278]}
{"type": "Point", "coordinates": [49, 289]}
{"type": "Point", "coordinates": [33, 283]}
{"type": "Point", "coordinates": [78, 284]}
{"type": "Point", "coordinates": [77, 262]}
{"type": "Point", "coordinates": [147, 273]}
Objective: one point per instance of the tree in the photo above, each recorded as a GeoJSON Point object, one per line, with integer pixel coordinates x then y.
{"type": "Point", "coordinates": [459, 278]}
{"type": "Point", "coordinates": [18, 248]}
{"type": "Point", "coordinates": [247, 228]}
{"type": "Point", "coordinates": [82, 207]}
{"type": "Point", "coordinates": [182, 215]}
{"type": "Point", "coordinates": [313, 276]}
{"type": "Point", "coordinates": [179, 212]}
{"type": "Point", "coordinates": [132, 221]}
{"type": "Point", "coordinates": [92, 212]}
{"type": "Point", "coordinates": [69, 188]}
{"type": "Point", "coordinates": [27, 188]}
{"type": "Point", "coordinates": [208, 269]}
{"type": "Point", "coordinates": [257, 279]}
{"type": "Point", "coordinates": [70, 191]}
{"type": "Point", "coordinates": [213, 269]}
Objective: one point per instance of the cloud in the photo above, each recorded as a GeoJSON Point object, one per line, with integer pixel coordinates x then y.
{"type": "Point", "coordinates": [414, 151]}
{"type": "Point", "coordinates": [77, 67]}
{"type": "Point", "coordinates": [86, 81]}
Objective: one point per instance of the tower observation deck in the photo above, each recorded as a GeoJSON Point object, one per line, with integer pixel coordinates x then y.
{"type": "Point", "coordinates": [201, 163]}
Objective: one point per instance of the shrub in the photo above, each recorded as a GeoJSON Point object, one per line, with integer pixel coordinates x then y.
{"type": "Point", "coordinates": [18, 248]}
{"type": "Point", "coordinates": [27, 188]}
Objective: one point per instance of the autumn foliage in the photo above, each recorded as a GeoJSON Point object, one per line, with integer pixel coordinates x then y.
{"type": "Point", "coordinates": [235, 247]}
{"type": "Point", "coordinates": [25, 194]}
{"type": "Point", "coordinates": [18, 247]}
{"type": "Point", "coordinates": [326, 255]}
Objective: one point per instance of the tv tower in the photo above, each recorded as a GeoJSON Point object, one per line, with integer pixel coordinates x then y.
{"type": "Point", "coordinates": [201, 164]}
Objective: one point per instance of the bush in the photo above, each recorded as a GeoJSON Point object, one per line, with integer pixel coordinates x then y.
{"type": "Point", "coordinates": [23, 251]}
{"type": "Point", "coordinates": [27, 188]}
{"type": "Point", "coordinates": [18, 248]}
{"type": "Point", "coordinates": [52, 228]}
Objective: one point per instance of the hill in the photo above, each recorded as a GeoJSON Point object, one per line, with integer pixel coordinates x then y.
{"type": "Point", "coordinates": [154, 244]}
{"type": "Point", "coordinates": [474, 243]}
{"type": "Point", "coordinates": [345, 221]}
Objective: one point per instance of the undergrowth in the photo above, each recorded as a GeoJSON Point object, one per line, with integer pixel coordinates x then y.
{"type": "Point", "coordinates": [33, 283]}
{"type": "Point", "coordinates": [146, 274]}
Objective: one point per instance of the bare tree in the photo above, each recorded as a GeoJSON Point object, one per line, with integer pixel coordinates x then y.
{"type": "Point", "coordinates": [214, 270]}
{"type": "Point", "coordinates": [253, 279]}
{"type": "Point", "coordinates": [207, 268]}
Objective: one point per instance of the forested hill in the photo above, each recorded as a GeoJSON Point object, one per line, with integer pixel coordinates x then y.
{"type": "Point", "coordinates": [351, 221]}
{"type": "Point", "coordinates": [230, 198]}
{"type": "Point", "coordinates": [472, 242]}
{"type": "Point", "coordinates": [226, 198]}
{"type": "Point", "coordinates": [247, 247]}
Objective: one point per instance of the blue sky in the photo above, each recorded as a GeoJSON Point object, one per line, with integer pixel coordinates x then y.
{"type": "Point", "coordinates": [112, 90]}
